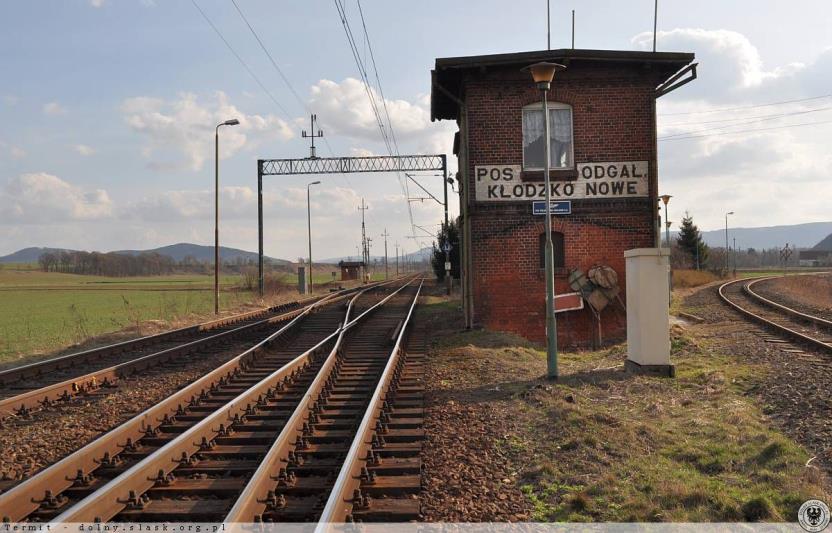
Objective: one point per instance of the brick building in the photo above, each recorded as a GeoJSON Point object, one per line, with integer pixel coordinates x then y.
{"type": "Point", "coordinates": [603, 165]}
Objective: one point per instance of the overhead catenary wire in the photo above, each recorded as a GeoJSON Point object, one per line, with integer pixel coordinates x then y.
{"type": "Point", "coordinates": [388, 137]}
{"type": "Point", "coordinates": [736, 119]}
{"type": "Point", "coordinates": [755, 130]}
{"type": "Point", "coordinates": [242, 62]}
{"type": "Point", "coordinates": [756, 121]}
{"type": "Point", "coordinates": [754, 106]}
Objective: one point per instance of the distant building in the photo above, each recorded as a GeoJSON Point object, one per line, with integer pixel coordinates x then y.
{"type": "Point", "coordinates": [350, 270]}
{"type": "Point", "coordinates": [815, 258]}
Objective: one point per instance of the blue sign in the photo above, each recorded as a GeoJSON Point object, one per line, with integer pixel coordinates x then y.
{"type": "Point", "coordinates": [556, 207]}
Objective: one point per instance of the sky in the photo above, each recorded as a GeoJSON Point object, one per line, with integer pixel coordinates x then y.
{"type": "Point", "coordinates": [107, 111]}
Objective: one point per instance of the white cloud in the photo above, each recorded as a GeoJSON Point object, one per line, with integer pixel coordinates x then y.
{"type": "Point", "coordinates": [345, 109]}
{"type": "Point", "coordinates": [764, 175]}
{"type": "Point", "coordinates": [17, 152]}
{"type": "Point", "coordinates": [53, 109]}
{"type": "Point", "coordinates": [179, 132]}
{"type": "Point", "coordinates": [84, 150]}
{"type": "Point", "coordinates": [42, 198]}
{"type": "Point", "coordinates": [97, 3]}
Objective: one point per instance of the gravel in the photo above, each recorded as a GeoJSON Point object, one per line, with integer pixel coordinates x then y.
{"type": "Point", "coordinates": [795, 391]}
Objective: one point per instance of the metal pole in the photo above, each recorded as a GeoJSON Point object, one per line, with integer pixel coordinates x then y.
{"type": "Point", "coordinates": [666, 227]}
{"type": "Point", "coordinates": [386, 272]}
{"type": "Point", "coordinates": [260, 282]}
{"type": "Point", "coordinates": [445, 184]}
{"type": "Point", "coordinates": [573, 29]}
{"type": "Point", "coordinates": [309, 233]}
{"type": "Point", "coordinates": [548, 28]}
{"type": "Point", "coordinates": [551, 324]}
{"type": "Point", "coordinates": [397, 260]}
{"type": "Point", "coordinates": [655, 21]}
{"type": "Point", "coordinates": [735, 257]}
{"type": "Point", "coordinates": [726, 243]}
{"type": "Point", "coordinates": [217, 220]}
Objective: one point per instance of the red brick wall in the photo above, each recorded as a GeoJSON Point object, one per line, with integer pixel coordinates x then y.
{"type": "Point", "coordinates": [613, 120]}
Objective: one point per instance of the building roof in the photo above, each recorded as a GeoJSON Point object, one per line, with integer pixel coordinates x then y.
{"type": "Point", "coordinates": [449, 71]}
{"type": "Point", "coordinates": [343, 264]}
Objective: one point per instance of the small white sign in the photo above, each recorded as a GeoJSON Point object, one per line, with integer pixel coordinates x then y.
{"type": "Point", "coordinates": [623, 179]}
{"type": "Point", "coordinates": [447, 265]}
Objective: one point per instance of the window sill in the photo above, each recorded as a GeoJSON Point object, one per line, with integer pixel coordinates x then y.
{"type": "Point", "coordinates": [560, 174]}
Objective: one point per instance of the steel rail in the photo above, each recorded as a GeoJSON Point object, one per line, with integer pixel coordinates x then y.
{"type": "Point", "coordinates": [253, 500]}
{"type": "Point", "coordinates": [774, 325]}
{"type": "Point", "coordinates": [19, 502]}
{"type": "Point", "coordinates": [39, 368]}
{"type": "Point", "coordinates": [339, 505]}
{"type": "Point", "coordinates": [66, 389]}
{"type": "Point", "coordinates": [788, 310]}
{"type": "Point", "coordinates": [127, 489]}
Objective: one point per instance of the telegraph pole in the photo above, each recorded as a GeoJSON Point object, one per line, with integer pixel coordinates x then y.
{"type": "Point", "coordinates": [397, 259]}
{"type": "Point", "coordinates": [363, 208]}
{"type": "Point", "coordinates": [386, 272]}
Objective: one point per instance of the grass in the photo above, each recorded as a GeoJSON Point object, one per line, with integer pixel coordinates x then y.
{"type": "Point", "coordinates": [34, 321]}
{"type": "Point", "coordinates": [602, 445]}
{"type": "Point", "coordinates": [684, 279]}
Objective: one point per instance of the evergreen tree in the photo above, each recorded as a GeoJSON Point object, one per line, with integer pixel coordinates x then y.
{"type": "Point", "coordinates": [447, 234]}
{"type": "Point", "coordinates": [690, 241]}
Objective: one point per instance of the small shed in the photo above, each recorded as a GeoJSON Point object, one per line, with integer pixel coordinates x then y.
{"type": "Point", "coordinates": [350, 270]}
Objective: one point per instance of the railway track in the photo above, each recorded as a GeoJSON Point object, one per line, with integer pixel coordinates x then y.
{"type": "Point", "coordinates": [328, 405]}
{"type": "Point", "coordinates": [59, 380]}
{"type": "Point", "coordinates": [800, 327]}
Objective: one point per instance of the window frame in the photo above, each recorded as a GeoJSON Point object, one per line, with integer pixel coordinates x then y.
{"type": "Point", "coordinates": [538, 106]}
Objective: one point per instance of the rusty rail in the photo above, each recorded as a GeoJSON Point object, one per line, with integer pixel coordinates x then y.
{"type": "Point", "coordinates": [23, 499]}
{"type": "Point", "coordinates": [339, 506]}
{"type": "Point", "coordinates": [766, 322]}
{"type": "Point", "coordinates": [253, 500]}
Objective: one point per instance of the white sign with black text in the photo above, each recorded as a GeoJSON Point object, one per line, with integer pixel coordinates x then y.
{"type": "Point", "coordinates": [623, 179]}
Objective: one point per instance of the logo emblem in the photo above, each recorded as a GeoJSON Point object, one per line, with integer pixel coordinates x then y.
{"type": "Point", "coordinates": [813, 516]}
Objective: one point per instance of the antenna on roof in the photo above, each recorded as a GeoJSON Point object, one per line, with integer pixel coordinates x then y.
{"type": "Point", "coordinates": [573, 29]}
{"type": "Point", "coordinates": [655, 19]}
{"type": "Point", "coordinates": [548, 28]}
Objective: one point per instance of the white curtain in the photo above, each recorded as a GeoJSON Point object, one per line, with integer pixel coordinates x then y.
{"type": "Point", "coordinates": [560, 132]}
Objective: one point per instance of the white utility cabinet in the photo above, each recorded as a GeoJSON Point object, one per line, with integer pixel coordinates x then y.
{"type": "Point", "coordinates": [648, 316]}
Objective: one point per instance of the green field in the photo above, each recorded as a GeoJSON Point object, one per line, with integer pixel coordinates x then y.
{"type": "Point", "coordinates": [43, 312]}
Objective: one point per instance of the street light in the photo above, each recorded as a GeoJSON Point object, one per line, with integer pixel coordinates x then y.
{"type": "Point", "coordinates": [542, 74]}
{"type": "Point", "coordinates": [726, 239]}
{"type": "Point", "coordinates": [666, 198]}
{"type": "Point", "coordinates": [309, 228]}
{"type": "Point", "coordinates": [232, 122]}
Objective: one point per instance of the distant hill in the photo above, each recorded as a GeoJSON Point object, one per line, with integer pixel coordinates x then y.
{"type": "Point", "coordinates": [799, 235]}
{"type": "Point", "coordinates": [30, 255]}
{"type": "Point", "coordinates": [825, 245]}
{"type": "Point", "coordinates": [175, 251]}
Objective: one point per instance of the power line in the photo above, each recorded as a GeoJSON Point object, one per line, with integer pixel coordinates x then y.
{"type": "Point", "coordinates": [745, 107]}
{"type": "Point", "coordinates": [735, 119]}
{"type": "Point", "coordinates": [773, 117]}
{"type": "Point", "coordinates": [240, 59]}
{"type": "Point", "coordinates": [748, 131]}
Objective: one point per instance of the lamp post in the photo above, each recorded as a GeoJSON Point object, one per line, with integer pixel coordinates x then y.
{"type": "Point", "coordinates": [726, 239]}
{"type": "Point", "coordinates": [232, 122]}
{"type": "Point", "coordinates": [309, 229]}
{"type": "Point", "coordinates": [666, 199]}
{"type": "Point", "coordinates": [542, 74]}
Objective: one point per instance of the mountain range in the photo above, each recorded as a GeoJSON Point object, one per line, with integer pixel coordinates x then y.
{"type": "Point", "coordinates": [796, 235]}
{"type": "Point", "coordinates": [177, 252]}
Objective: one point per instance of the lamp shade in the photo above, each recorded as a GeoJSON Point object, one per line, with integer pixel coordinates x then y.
{"type": "Point", "coordinates": [665, 198]}
{"type": "Point", "coordinates": [232, 122]}
{"type": "Point", "coordinates": [544, 72]}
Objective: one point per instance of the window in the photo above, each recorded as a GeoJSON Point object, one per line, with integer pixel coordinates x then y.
{"type": "Point", "coordinates": [560, 136]}
{"type": "Point", "coordinates": [557, 250]}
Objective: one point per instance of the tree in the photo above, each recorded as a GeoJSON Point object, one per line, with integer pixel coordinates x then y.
{"type": "Point", "coordinates": [448, 233]}
{"type": "Point", "coordinates": [690, 241]}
